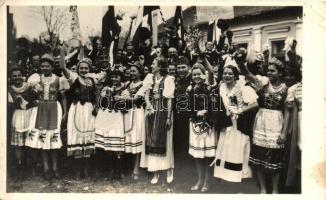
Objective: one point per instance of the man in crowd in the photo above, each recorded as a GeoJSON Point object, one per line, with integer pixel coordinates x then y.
{"type": "Point", "coordinates": [181, 109]}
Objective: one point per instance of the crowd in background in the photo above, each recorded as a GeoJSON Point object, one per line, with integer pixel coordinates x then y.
{"type": "Point", "coordinates": [234, 110]}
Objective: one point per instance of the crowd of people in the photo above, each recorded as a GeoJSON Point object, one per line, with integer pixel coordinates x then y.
{"type": "Point", "coordinates": [227, 108]}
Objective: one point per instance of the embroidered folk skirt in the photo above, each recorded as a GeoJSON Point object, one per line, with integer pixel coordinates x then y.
{"type": "Point", "coordinates": [80, 130]}
{"type": "Point", "coordinates": [109, 131]}
{"type": "Point", "coordinates": [134, 122]}
{"type": "Point", "coordinates": [19, 126]}
{"type": "Point", "coordinates": [44, 126]}
{"type": "Point", "coordinates": [266, 153]}
{"type": "Point", "coordinates": [203, 145]}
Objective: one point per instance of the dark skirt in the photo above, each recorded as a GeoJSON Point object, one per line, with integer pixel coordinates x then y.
{"type": "Point", "coordinates": [47, 115]}
{"type": "Point", "coordinates": [156, 132]}
{"type": "Point", "coordinates": [267, 159]}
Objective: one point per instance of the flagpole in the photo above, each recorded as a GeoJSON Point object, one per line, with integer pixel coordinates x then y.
{"type": "Point", "coordinates": [129, 33]}
{"type": "Point", "coordinates": [155, 28]}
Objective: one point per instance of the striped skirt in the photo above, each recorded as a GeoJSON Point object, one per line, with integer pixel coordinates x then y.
{"type": "Point", "coordinates": [109, 131]}
{"type": "Point", "coordinates": [201, 146]}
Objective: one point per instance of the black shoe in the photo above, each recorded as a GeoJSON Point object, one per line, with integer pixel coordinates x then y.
{"type": "Point", "coordinates": [47, 176]}
{"type": "Point", "coordinates": [86, 174]}
{"type": "Point", "coordinates": [77, 175]}
{"type": "Point", "coordinates": [56, 175]}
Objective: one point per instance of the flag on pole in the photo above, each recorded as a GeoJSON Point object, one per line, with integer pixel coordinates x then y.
{"type": "Point", "coordinates": [110, 33]}
{"type": "Point", "coordinates": [178, 23]}
{"type": "Point", "coordinates": [213, 32]}
{"type": "Point", "coordinates": [144, 24]}
{"type": "Point", "coordinates": [108, 21]}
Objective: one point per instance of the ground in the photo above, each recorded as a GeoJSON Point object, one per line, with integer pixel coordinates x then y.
{"type": "Point", "coordinates": [184, 178]}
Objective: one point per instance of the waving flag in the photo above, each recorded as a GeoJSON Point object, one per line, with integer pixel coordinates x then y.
{"type": "Point", "coordinates": [178, 23]}
{"type": "Point", "coordinates": [110, 33]}
{"type": "Point", "coordinates": [145, 25]}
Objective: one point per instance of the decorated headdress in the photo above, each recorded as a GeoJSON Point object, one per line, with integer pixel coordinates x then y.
{"type": "Point", "coordinates": [277, 62]}
{"type": "Point", "coordinates": [85, 60]}
{"type": "Point", "coordinates": [47, 58]}
{"type": "Point", "coordinates": [116, 70]}
{"type": "Point", "coordinates": [139, 66]}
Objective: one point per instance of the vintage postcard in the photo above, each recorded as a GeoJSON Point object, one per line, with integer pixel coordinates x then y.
{"type": "Point", "coordinates": [134, 99]}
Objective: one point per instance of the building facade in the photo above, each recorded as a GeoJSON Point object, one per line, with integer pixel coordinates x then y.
{"type": "Point", "coordinates": [255, 26]}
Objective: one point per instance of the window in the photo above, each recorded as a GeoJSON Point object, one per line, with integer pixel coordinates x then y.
{"type": "Point", "coordinates": [244, 45]}
{"type": "Point", "coordinates": [277, 49]}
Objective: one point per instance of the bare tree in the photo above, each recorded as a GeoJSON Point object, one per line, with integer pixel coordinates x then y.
{"type": "Point", "coordinates": [56, 19]}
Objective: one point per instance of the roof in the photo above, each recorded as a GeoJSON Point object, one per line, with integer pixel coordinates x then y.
{"type": "Point", "coordinates": [242, 11]}
{"type": "Point", "coordinates": [239, 12]}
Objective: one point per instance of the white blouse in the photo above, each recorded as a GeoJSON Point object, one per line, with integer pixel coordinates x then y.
{"type": "Point", "coordinates": [169, 85]}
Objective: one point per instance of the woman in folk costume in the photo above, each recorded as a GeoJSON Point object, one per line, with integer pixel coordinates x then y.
{"type": "Point", "coordinates": [20, 97]}
{"type": "Point", "coordinates": [134, 119]}
{"type": "Point", "coordinates": [202, 137]}
{"type": "Point", "coordinates": [109, 127]}
{"type": "Point", "coordinates": [233, 149]}
{"type": "Point", "coordinates": [159, 88]}
{"type": "Point", "coordinates": [269, 134]}
{"type": "Point", "coordinates": [82, 112]}
{"type": "Point", "coordinates": [45, 121]}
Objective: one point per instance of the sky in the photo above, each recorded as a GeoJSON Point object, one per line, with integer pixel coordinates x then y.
{"type": "Point", "coordinates": [30, 24]}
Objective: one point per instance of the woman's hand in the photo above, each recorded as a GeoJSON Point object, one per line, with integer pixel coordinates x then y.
{"type": "Point", "coordinates": [168, 123]}
{"type": "Point", "coordinates": [234, 110]}
{"type": "Point", "coordinates": [64, 117]}
{"type": "Point", "coordinates": [149, 108]}
{"type": "Point", "coordinates": [201, 113]}
{"type": "Point", "coordinates": [281, 139]}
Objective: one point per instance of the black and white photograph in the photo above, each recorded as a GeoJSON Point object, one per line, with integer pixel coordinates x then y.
{"type": "Point", "coordinates": [172, 99]}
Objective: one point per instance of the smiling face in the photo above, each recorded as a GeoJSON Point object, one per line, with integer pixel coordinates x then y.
{"type": "Point", "coordinates": [228, 76]}
{"type": "Point", "coordinates": [115, 79]}
{"type": "Point", "coordinates": [83, 69]}
{"type": "Point", "coordinates": [172, 70]}
{"type": "Point", "coordinates": [172, 52]}
{"type": "Point", "coordinates": [134, 73]}
{"type": "Point", "coordinates": [272, 73]}
{"type": "Point", "coordinates": [197, 75]}
{"type": "Point", "coordinates": [127, 74]}
{"type": "Point", "coordinates": [16, 77]}
{"type": "Point", "coordinates": [46, 68]}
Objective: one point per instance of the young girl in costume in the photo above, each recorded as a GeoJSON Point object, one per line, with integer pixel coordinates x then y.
{"type": "Point", "coordinates": [202, 137]}
{"type": "Point", "coordinates": [232, 156]}
{"type": "Point", "coordinates": [134, 125]}
{"type": "Point", "coordinates": [20, 97]}
{"type": "Point", "coordinates": [81, 116]}
{"type": "Point", "coordinates": [109, 127]}
{"type": "Point", "coordinates": [269, 133]}
{"type": "Point", "coordinates": [45, 121]}
{"type": "Point", "coordinates": [159, 88]}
